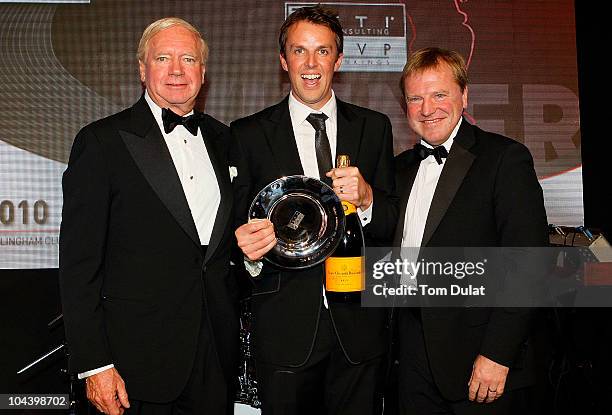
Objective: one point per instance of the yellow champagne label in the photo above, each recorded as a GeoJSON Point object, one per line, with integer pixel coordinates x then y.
{"type": "Point", "coordinates": [345, 274]}
{"type": "Point", "coordinates": [348, 208]}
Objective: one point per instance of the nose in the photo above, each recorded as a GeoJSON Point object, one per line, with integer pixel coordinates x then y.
{"type": "Point", "coordinates": [176, 68]}
{"type": "Point", "coordinates": [311, 61]}
{"type": "Point", "coordinates": [428, 107]}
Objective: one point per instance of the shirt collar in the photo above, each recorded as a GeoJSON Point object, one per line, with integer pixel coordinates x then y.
{"type": "Point", "coordinates": [299, 111]}
{"type": "Point", "coordinates": [451, 139]}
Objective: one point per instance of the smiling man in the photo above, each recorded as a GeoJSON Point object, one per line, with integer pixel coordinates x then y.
{"type": "Point", "coordinates": [462, 187]}
{"type": "Point", "coordinates": [149, 305]}
{"type": "Point", "coordinates": [313, 356]}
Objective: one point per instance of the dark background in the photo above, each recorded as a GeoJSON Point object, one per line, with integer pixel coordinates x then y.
{"type": "Point", "coordinates": [574, 344]}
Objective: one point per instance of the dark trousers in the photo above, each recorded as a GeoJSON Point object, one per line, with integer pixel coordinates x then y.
{"type": "Point", "coordinates": [206, 391]}
{"type": "Point", "coordinates": [326, 384]}
{"type": "Point", "coordinates": [418, 393]}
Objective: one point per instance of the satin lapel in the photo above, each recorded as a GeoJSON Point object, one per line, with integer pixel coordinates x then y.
{"type": "Point", "coordinates": [349, 132]}
{"type": "Point", "coordinates": [279, 133]}
{"type": "Point", "coordinates": [148, 149]}
{"type": "Point", "coordinates": [457, 164]}
{"type": "Point", "coordinates": [405, 180]}
{"type": "Point", "coordinates": [221, 168]}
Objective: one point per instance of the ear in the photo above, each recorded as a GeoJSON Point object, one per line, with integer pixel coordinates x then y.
{"type": "Point", "coordinates": [465, 97]}
{"type": "Point", "coordinates": [141, 68]}
{"type": "Point", "coordinates": [283, 63]}
{"type": "Point", "coordinates": [203, 73]}
{"type": "Point", "coordinates": [338, 62]}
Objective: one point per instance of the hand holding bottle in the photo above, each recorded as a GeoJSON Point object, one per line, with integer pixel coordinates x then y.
{"type": "Point", "coordinates": [350, 186]}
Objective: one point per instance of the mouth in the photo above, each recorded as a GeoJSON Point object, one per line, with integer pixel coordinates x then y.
{"type": "Point", "coordinates": [311, 76]}
{"type": "Point", "coordinates": [311, 79]}
{"type": "Point", "coordinates": [432, 121]}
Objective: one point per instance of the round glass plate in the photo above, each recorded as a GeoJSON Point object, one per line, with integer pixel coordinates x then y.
{"type": "Point", "coordinates": [308, 220]}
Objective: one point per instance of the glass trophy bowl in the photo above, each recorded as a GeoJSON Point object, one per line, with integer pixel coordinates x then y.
{"type": "Point", "coordinates": [308, 220]}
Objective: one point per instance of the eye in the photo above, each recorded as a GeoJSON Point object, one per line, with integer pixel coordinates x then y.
{"type": "Point", "coordinates": [162, 59]}
{"type": "Point", "coordinates": [298, 51]}
{"type": "Point", "coordinates": [413, 100]}
{"type": "Point", "coordinates": [439, 96]}
{"type": "Point", "coordinates": [189, 59]}
{"type": "Point", "coordinates": [323, 52]}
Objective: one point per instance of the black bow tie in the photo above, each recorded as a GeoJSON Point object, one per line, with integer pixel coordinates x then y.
{"type": "Point", "coordinates": [171, 120]}
{"type": "Point", "coordinates": [438, 152]}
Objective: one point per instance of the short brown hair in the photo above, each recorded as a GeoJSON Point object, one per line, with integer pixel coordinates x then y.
{"type": "Point", "coordinates": [430, 58]}
{"type": "Point", "coordinates": [165, 23]}
{"type": "Point", "coordinates": [313, 14]}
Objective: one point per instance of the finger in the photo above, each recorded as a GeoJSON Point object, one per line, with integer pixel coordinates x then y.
{"type": "Point", "coordinates": [94, 403]}
{"type": "Point", "coordinates": [253, 226]}
{"type": "Point", "coordinates": [491, 396]}
{"type": "Point", "coordinates": [345, 171]}
{"type": "Point", "coordinates": [482, 393]}
{"type": "Point", "coordinates": [346, 181]}
{"type": "Point", "coordinates": [113, 404]}
{"type": "Point", "coordinates": [501, 387]}
{"type": "Point", "coordinates": [345, 189]}
{"type": "Point", "coordinates": [257, 240]}
{"type": "Point", "coordinates": [341, 191]}
{"type": "Point", "coordinates": [261, 252]}
{"type": "Point", "coordinates": [473, 390]}
{"type": "Point", "coordinates": [337, 184]}
{"type": "Point", "coordinates": [257, 224]}
{"type": "Point", "coordinates": [260, 244]}
{"type": "Point", "coordinates": [109, 404]}
{"type": "Point", "coordinates": [246, 239]}
{"type": "Point", "coordinates": [95, 398]}
{"type": "Point", "coordinates": [118, 410]}
{"type": "Point", "coordinates": [122, 395]}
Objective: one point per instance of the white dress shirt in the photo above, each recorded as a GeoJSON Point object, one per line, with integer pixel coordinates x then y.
{"type": "Point", "coordinates": [304, 134]}
{"type": "Point", "coordinates": [195, 171]}
{"type": "Point", "coordinates": [422, 194]}
{"type": "Point", "coordinates": [419, 203]}
{"type": "Point", "coordinates": [197, 177]}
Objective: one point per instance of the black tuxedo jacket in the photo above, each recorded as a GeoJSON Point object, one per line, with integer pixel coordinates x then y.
{"type": "Point", "coordinates": [488, 195]}
{"type": "Point", "coordinates": [135, 283]}
{"type": "Point", "coordinates": [286, 304]}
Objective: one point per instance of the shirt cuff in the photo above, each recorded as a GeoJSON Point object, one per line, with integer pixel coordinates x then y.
{"type": "Point", "coordinates": [365, 215]}
{"type": "Point", "coordinates": [253, 267]}
{"type": "Point", "coordinates": [95, 371]}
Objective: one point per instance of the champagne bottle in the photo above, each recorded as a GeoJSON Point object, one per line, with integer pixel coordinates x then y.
{"type": "Point", "coordinates": [345, 267]}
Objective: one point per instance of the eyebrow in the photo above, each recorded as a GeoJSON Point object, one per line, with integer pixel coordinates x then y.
{"type": "Point", "coordinates": [437, 91]}
{"type": "Point", "coordinates": [297, 45]}
{"type": "Point", "coordinates": [162, 53]}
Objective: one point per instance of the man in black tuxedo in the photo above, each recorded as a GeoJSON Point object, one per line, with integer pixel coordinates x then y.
{"type": "Point", "coordinates": [462, 187]}
{"type": "Point", "coordinates": [149, 304]}
{"type": "Point", "coordinates": [313, 355]}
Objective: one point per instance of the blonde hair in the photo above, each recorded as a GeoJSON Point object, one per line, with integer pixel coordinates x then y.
{"type": "Point", "coordinates": [163, 24]}
{"type": "Point", "coordinates": [431, 58]}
